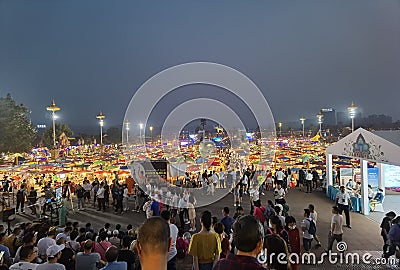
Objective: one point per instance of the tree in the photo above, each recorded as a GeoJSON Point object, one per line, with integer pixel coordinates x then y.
{"type": "Point", "coordinates": [16, 130]}
{"type": "Point", "coordinates": [47, 137]}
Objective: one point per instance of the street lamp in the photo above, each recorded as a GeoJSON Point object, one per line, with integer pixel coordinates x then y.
{"type": "Point", "coordinates": [140, 132]}
{"type": "Point", "coordinates": [320, 117]}
{"type": "Point", "coordinates": [101, 117]}
{"type": "Point", "coordinates": [127, 130]}
{"type": "Point", "coordinates": [352, 112]}
{"type": "Point", "coordinates": [151, 133]}
{"type": "Point", "coordinates": [280, 129]}
{"type": "Point", "coordinates": [302, 119]}
{"type": "Point", "coordinates": [53, 108]}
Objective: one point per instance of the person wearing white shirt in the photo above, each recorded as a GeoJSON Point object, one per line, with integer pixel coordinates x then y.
{"type": "Point", "coordinates": [100, 197]}
{"type": "Point", "coordinates": [182, 206]}
{"type": "Point", "coordinates": [46, 242]}
{"type": "Point", "coordinates": [280, 176]}
{"type": "Point", "coordinates": [27, 255]}
{"type": "Point", "coordinates": [305, 226]}
{"type": "Point", "coordinates": [336, 232]}
{"type": "Point", "coordinates": [371, 192]}
{"type": "Point", "coordinates": [173, 231]}
{"type": "Point", "coordinates": [221, 179]}
{"type": "Point", "coordinates": [215, 182]}
{"type": "Point", "coordinates": [279, 194]}
{"type": "Point", "coordinates": [309, 178]}
{"type": "Point", "coordinates": [314, 217]}
{"type": "Point", "coordinates": [343, 203]}
{"type": "Point", "coordinates": [125, 198]}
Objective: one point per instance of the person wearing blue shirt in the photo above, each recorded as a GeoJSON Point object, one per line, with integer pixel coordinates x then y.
{"type": "Point", "coordinates": [6, 255]}
{"type": "Point", "coordinates": [111, 257]}
{"type": "Point", "coordinates": [155, 208]}
{"type": "Point", "coordinates": [227, 220]}
{"type": "Point", "coordinates": [379, 195]}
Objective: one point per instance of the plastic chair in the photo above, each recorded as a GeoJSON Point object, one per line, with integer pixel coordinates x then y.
{"type": "Point", "coordinates": [377, 206]}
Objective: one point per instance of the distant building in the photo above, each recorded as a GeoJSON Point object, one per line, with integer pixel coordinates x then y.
{"type": "Point", "coordinates": [342, 118]}
{"type": "Point", "coordinates": [377, 121]}
{"type": "Point", "coordinates": [329, 117]}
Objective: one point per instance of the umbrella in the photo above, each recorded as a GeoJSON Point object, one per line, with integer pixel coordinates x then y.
{"type": "Point", "coordinates": [101, 172]}
{"type": "Point", "coordinates": [111, 167]}
{"type": "Point", "coordinates": [98, 162]}
{"type": "Point", "coordinates": [310, 157]}
{"type": "Point", "coordinates": [200, 160]}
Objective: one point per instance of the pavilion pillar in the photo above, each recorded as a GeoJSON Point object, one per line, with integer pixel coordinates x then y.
{"type": "Point", "coordinates": [381, 177]}
{"type": "Point", "coordinates": [364, 187]}
{"type": "Point", "coordinates": [329, 172]}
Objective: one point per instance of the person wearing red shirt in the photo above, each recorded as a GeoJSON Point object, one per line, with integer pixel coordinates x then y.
{"type": "Point", "coordinates": [259, 211]}
{"type": "Point", "coordinates": [294, 239]}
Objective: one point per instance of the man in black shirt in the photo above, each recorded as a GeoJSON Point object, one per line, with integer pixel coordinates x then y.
{"type": "Point", "coordinates": [126, 255]}
{"type": "Point", "coordinates": [385, 228]}
{"type": "Point", "coordinates": [32, 197]}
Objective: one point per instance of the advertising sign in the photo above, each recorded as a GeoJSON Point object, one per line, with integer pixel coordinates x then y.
{"type": "Point", "coordinates": [346, 174]}
{"type": "Point", "coordinates": [373, 177]}
{"type": "Point", "coordinates": [392, 176]}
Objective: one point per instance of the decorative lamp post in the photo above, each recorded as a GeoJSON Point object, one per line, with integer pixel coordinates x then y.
{"type": "Point", "coordinates": [280, 129]}
{"type": "Point", "coordinates": [140, 132]}
{"type": "Point", "coordinates": [101, 117]}
{"type": "Point", "coordinates": [151, 133]}
{"type": "Point", "coordinates": [127, 130]}
{"type": "Point", "coordinates": [320, 117]}
{"type": "Point", "coordinates": [302, 119]}
{"type": "Point", "coordinates": [352, 112]}
{"type": "Point", "coordinates": [53, 108]}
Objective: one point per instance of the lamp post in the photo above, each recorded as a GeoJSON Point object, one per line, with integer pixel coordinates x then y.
{"type": "Point", "coordinates": [101, 117]}
{"type": "Point", "coordinates": [280, 129]}
{"type": "Point", "coordinates": [352, 112]}
{"type": "Point", "coordinates": [151, 134]}
{"type": "Point", "coordinates": [320, 117]}
{"type": "Point", "coordinates": [302, 119]}
{"type": "Point", "coordinates": [53, 108]}
{"type": "Point", "coordinates": [127, 130]}
{"type": "Point", "coordinates": [140, 132]}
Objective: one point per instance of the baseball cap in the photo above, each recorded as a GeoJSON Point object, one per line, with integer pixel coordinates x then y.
{"type": "Point", "coordinates": [115, 232]}
{"type": "Point", "coordinates": [53, 250]}
{"type": "Point", "coordinates": [61, 235]}
{"type": "Point", "coordinates": [52, 231]}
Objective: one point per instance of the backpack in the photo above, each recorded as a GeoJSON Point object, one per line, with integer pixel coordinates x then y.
{"type": "Point", "coordinates": [313, 228]}
{"type": "Point", "coordinates": [269, 212]}
{"type": "Point", "coordinates": [181, 253]}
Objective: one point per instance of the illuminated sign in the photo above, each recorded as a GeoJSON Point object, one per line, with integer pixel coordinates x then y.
{"type": "Point", "coordinates": [327, 110]}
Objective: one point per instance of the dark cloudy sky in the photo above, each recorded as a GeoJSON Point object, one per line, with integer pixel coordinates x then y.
{"type": "Point", "coordinates": [303, 55]}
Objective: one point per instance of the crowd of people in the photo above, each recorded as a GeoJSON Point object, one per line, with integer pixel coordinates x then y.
{"type": "Point", "coordinates": [42, 246]}
{"type": "Point", "coordinates": [170, 232]}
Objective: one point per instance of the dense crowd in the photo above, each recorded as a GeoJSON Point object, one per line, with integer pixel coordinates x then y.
{"type": "Point", "coordinates": [170, 233]}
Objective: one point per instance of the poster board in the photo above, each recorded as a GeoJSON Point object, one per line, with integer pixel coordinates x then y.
{"type": "Point", "coordinates": [346, 174]}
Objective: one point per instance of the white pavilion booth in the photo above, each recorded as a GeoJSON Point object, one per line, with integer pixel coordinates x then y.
{"type": "Point", "coordinates": [366, 146]}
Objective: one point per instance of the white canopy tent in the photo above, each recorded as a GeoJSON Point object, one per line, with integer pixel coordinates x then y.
{"type": "Point", "coordinates": [365, 146]}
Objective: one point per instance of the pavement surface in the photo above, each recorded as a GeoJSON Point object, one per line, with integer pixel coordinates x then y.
{"type": "Point", "coordinates": [362, 240]}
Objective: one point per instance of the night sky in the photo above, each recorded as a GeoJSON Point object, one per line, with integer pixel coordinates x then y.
{"type": "Point", "coordinates": [303, 55]}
